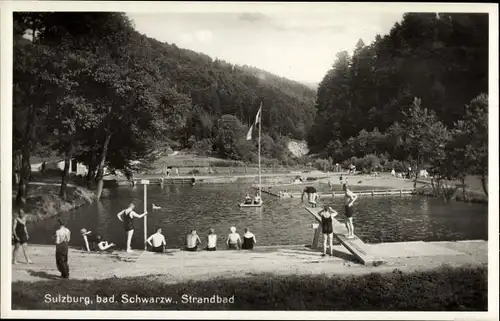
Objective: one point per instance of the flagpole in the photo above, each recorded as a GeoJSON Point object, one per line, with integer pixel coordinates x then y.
{"type": "Point", "coordinates": [260, 125]}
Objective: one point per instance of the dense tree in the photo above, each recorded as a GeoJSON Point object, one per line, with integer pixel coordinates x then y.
{"type": "Point", "coordinates": [440, 58]}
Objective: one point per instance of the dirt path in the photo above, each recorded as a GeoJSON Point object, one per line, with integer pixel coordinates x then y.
{"type": "Point", "coordinates": [176, 266]}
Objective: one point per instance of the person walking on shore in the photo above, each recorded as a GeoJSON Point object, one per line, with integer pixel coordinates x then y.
{"type": "Point", "coordinates": [349, 199]}
{"type": "Point", "coordinates": [327, 214]}
{"type": "Point", "coordinates": [127, 216]}
{"type": "Point", "coordinates": [20, 236]}
{"type": "Point", "coordinates": [62, 237]}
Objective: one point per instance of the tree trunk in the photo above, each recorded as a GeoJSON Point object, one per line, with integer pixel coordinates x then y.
{"type": "Point", "coordinates": [25, 172]}
{"type": "Point", "coordinates": [464, 195]}
{"type": "Point", "coordinates": [483, 183]}
{"type": "Point", "coordinates": [65, 175]}
{"type": "Point", "coordinates": [416, 173]}
{"type": "Point", "coordinates": [92, 170]}
{"type": "Point", "coordinates": [100, 169]}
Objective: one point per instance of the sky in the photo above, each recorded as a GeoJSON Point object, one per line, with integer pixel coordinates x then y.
{"type": "Point", "coordinates": [297, 45]}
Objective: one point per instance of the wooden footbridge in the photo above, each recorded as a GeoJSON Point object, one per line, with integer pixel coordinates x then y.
{"type": "Point", "coordinates": [354, 245]}
{"type": "Point", "coordinates": [395, 192]}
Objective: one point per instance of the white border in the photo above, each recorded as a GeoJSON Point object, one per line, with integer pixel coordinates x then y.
{"type": "Point", "coordinates": [6, 8]}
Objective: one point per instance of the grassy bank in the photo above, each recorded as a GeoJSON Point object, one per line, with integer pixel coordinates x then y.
{"type": "Point", "coordinates": [43, 201]}
{"type": "Point", "coordinates": [450, 289]}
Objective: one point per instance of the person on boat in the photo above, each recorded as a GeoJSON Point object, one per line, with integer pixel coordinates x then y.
{"type": "Point", "coordinates": [257, 199]}
{"type": "Point", "coordinates": [20, 236]}
{"type": "Point", "coordinates": [248, 240]}
{"type": "Point", "coordinates": [349, 199]}
{"type": "Point", "coordinates": [62, 238]}
{"type": "Point", "coordinates": [127, 216]}
{"type": "Point", "coordinates": [312, 195]}
{"type": "Point", "coordinates": [90, 240]}
{"type": "Point", "coordinates": [192, 240]}
{"type": "Point", "coordinates": [211, 240]}
{"type": "Point", "coordinates": [157, 241]}
{"type": "Point", "coordinates": [248, 199]}
{"type": "Point", "coordinates": [327, 214]}
{"type": "Point", "coordinates": [233, 239]}
{"type": "Point", "coordinates": [103, 245]}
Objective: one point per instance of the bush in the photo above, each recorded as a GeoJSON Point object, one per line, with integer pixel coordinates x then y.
{"type": "Point", "coordinates": [203, 147]}
{"type": "Point", "coordinates": [194, 172]}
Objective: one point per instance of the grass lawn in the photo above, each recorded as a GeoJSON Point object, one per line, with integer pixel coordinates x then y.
{"type": "Point", "coordinates": [448, 289]}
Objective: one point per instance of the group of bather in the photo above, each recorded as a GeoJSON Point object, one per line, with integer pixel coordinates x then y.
{"type": "Point", "coordinates": [256, 200]}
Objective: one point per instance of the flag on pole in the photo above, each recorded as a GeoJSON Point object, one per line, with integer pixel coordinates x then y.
{"type": "Point", "coordinates": [257, 121]}
{"type": "Point", "coordinates": [257, 117]}
{"type": "Point", "coordinates": [249, 134]}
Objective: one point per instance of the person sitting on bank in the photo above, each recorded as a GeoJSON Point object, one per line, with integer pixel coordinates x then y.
{"type": "Point", "coordinates": [90, 240]}
{"type": "Point", "coordinates": [248, 199]}
{"type": "Point", "coordinates": [157, 241]}
{"type": "Point", "coordinates": [103, 245]}
{"type": "Point", "coordinates": [211, 240]}
{"type": "Point", "coordinates": [192, 240]}
{"type": "Point", "coordinates": [257, 199]}
{"type": "Point", "coordinates": [248, 240]}
{"type": "Point", "coordinates": [233, 239]}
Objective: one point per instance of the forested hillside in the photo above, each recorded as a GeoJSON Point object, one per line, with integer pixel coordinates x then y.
{"type": "Point", "coordinates": [440, 58]}
{"type": "Point", "coordinates": [415, 98]}
{"type": "Point", "coordinates": [88, 86]}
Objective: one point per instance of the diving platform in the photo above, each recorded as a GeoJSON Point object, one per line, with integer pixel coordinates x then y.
{"type": "Point", "coordinates": [357, 247]}
{"type": "Point", "coordinates": [372, 193]}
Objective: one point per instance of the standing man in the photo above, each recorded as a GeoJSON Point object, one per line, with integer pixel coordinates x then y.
{"type": "Point", "coordinates": [127, 216]}
{"type": "Point", "coordinates": [349, 199]}
{"type": "Point", "coordinates": [62, 237]}
{"type": "Point", "coordinates": [312, 195]}
{"type": "Point", "coordinates": [157, 241]}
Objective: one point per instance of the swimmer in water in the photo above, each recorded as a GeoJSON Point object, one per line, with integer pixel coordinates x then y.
{"type": "Point", "coordinates": [349, 199]}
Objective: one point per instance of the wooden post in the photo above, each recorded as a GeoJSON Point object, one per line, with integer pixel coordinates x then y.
{"type": "Point", "coordinates": [317, 232]}
{"type": "Point", "coordinates": [145, 182]}
{"type": "Point", "coordinates": [400, 192]}
{"type": "Point", "coordinates": [372, 193]}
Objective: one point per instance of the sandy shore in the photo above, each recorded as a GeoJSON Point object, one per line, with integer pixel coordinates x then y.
{"type": "Point", "coordinates": [177, 266]}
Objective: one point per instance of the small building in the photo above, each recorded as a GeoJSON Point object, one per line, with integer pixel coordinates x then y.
{"type": "Point", "coordinates": [56, 163]}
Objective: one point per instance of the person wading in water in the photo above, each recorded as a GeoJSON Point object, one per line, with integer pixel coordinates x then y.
{"type": "Point", "coordinates": [127, 217]}
{"type": "Point", "coordinates": [349, 199]}
{"type": "Point", "coordinates": [327, 214]}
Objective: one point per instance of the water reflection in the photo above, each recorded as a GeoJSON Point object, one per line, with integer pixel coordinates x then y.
{"type": "Point", "coordinates": [185, 207]}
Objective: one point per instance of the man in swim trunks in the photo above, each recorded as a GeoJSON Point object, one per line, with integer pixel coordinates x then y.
{"type": "Point", "coordinates": [127, 216]}
{"type": "Point", "coordinates": [349, 199]}
{"type": "Point", "coordinates": [157, 241]}
{"type": "Point", "coordinates": [327, 214]}
{"type": "Point", "coordinates": [212, 239]}
{"type": "Point", "coordinates": [192, 241]}
{"type": "Point", "coordinates": [62, 237]}
{"type": "Point", "coordinates": [312, 195]}
{"type": "Point", "coordinates": [233, 239]}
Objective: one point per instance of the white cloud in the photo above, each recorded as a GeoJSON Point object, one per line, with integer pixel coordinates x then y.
{"type": "Point", "coordinates": [204, 36]}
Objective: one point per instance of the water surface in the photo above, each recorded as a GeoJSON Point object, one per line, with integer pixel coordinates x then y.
{"type": "Point", "coordinates": [279, 221]}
